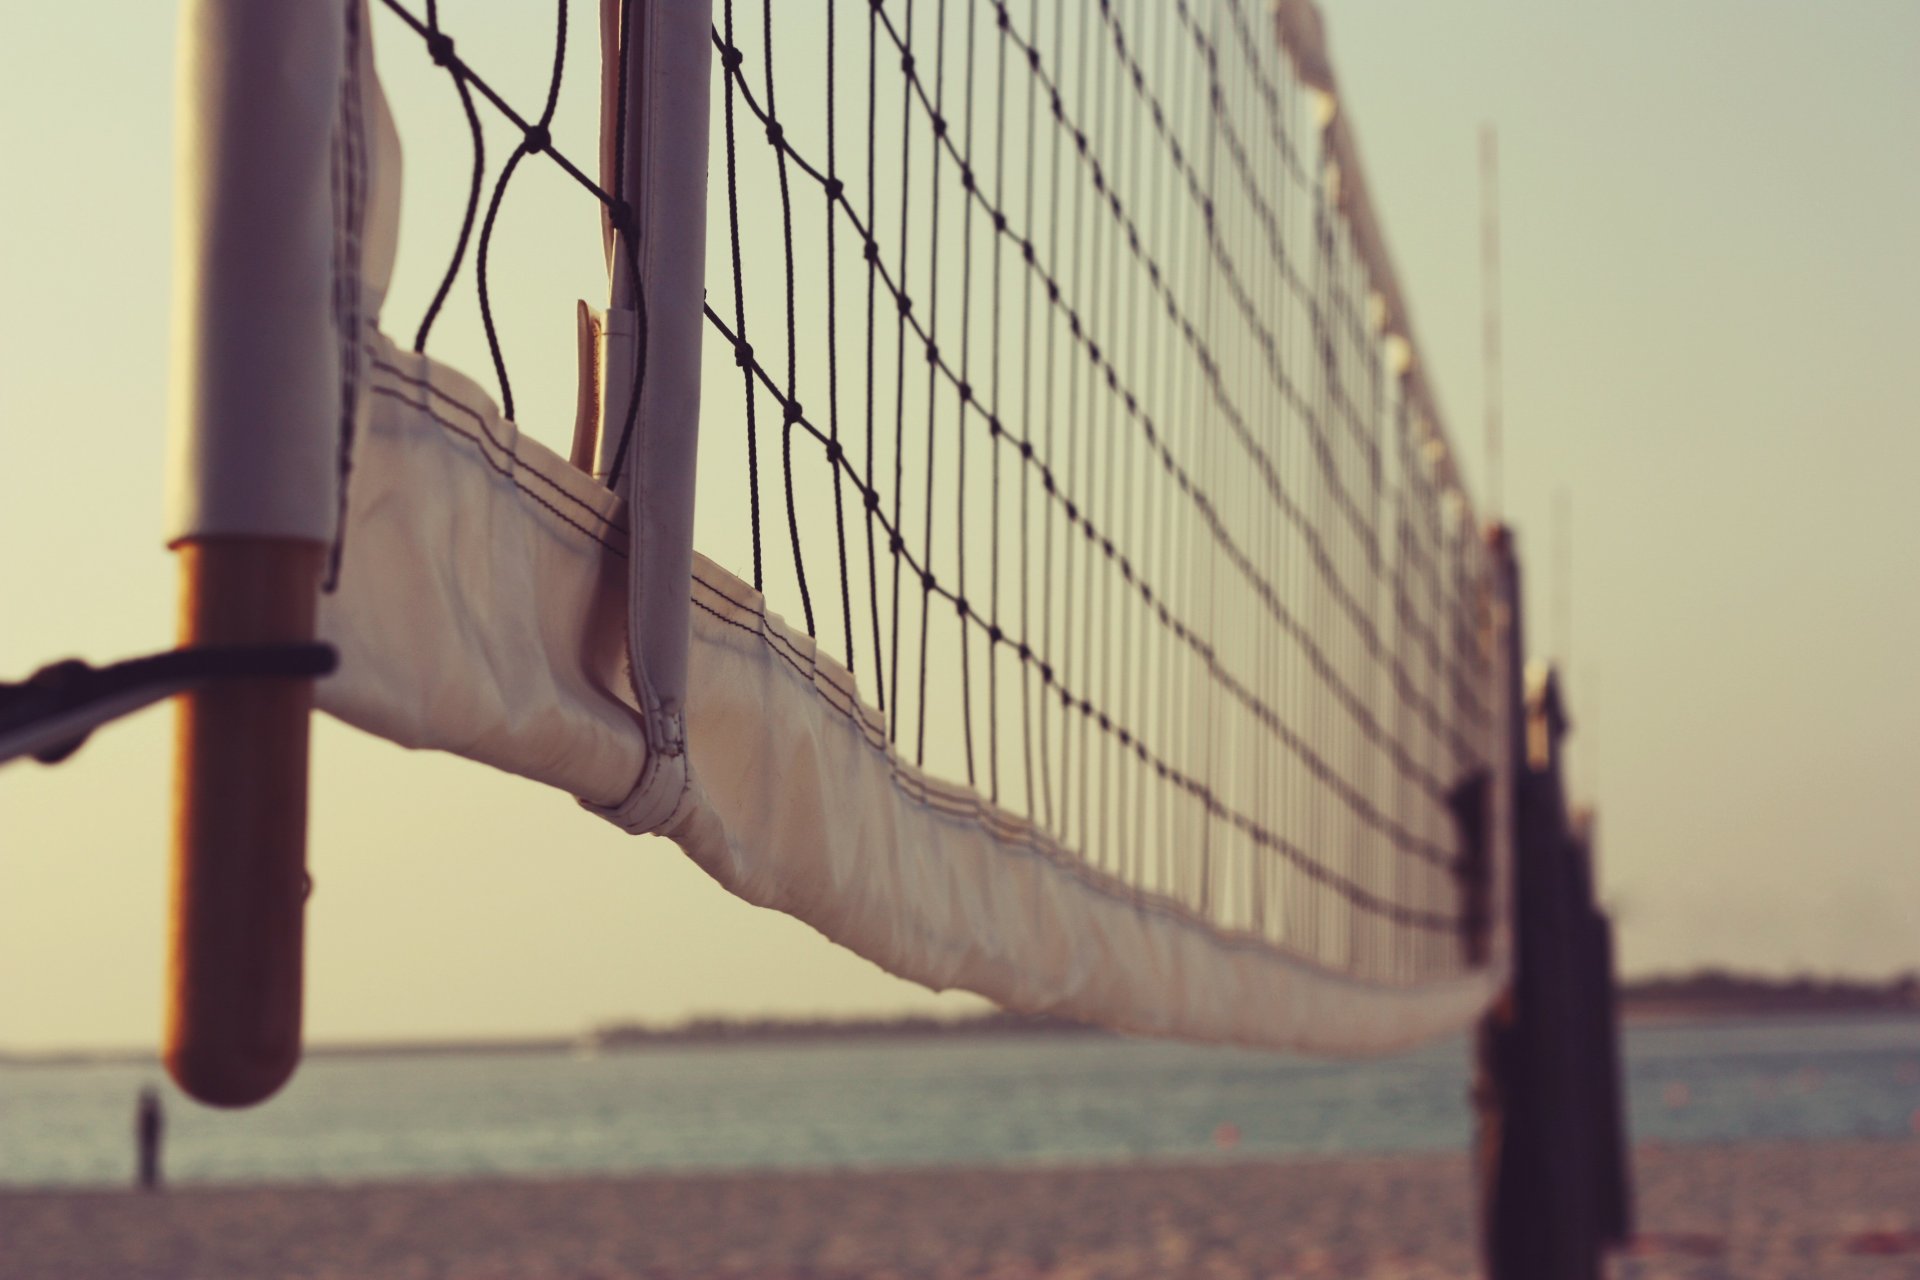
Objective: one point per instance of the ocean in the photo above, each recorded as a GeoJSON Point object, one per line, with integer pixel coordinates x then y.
{"type": "Point", "coordinates": [1001, 1100]}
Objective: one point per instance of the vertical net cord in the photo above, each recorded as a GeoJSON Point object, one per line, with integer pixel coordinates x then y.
{"type": "Point", "coordinates": [833, 191]}
{"type": "Point", "coordinates": [792, 409]}
{"type": "Point", "coordinates": [939, 123]}
{"type": "Point", "coordinates": [743, 349]}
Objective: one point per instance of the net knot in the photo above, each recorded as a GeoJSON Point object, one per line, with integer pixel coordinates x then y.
{"type": "Point", "coordinates": [537, 139]}
{"type": "Point", "coordinates": [966, 393]}
{"type": "Point", "coordinates": [960, 606]}
{"type": "Point", "coordinates": [775, 134]}
{"type": "Point", "coordinates": [939, 126]}
{"type": "Point", "coordinates": [906, 63]}
{"type": "Point", "coordinates": [833, 452]}
{"type": "Point", "coordinates": [993, 427]}
{"type": "Point", "coordinates": [994, 634]}
{"type": "Point", "coordinates": [730, 57]}
{"type": "Point", "coordinates": [625, 220]}
{"type": "Point", "coordinates": [794, 413]}
{"type": "Point", "coordinates": [440, 46]}
{"type": "Point", "coordinates": [743, 354]}
{"type": "Point", "coordinates": [933, 353]}
{"type": "Point", "coordinates": [834, 188]}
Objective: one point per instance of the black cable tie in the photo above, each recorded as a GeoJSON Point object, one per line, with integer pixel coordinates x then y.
{"type": "Point", "coordinates": [82, 697]}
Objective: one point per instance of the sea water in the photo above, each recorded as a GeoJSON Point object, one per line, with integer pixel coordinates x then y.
{"type": "Point", "coordinates": [988, 1100]}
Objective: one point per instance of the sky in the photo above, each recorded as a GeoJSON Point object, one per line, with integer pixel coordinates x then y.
{"type": "Point", "coordinates": [1711, 257]}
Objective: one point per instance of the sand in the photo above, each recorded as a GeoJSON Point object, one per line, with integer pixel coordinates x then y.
{"type": "Point", "coordinates": [1832, 1210]}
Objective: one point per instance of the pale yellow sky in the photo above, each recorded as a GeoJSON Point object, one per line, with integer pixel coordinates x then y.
{"type": "Point", "coordinates": [1712, 282]}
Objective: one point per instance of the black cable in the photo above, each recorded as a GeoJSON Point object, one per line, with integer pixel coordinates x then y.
{"type": "Point", "coordinates": [50, 714]}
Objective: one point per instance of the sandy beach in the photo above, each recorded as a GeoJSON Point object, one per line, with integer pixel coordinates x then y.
{"type": "Point", "coordinates": [1831, 1210]}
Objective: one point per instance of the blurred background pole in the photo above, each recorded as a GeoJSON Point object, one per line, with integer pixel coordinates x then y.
{"type": "Point", "coordinates": [1551, 1141]}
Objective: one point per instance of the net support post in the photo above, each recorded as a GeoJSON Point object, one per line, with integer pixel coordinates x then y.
{"type": "Point", "coordinates": [1550, 1141]}
{"type": "Point", "coordinates": [239, 872]}
{"type": "Point", "coordinates": [264, 333]}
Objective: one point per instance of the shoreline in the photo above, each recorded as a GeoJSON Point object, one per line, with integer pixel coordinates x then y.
{"type": "Point", "coordinates": [1842, 1210]}
{"type": "Point", "coordinates": [1894, 1147]}
{"type": "Point", "coordinates": [585, 1046]}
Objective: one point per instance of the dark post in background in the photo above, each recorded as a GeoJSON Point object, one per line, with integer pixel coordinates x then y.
{"type": "Point", "coordinates": [1552, 1143]}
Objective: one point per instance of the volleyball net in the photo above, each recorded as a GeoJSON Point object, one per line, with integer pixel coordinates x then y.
{"type": "Point", "coordinates": [1083, 607]}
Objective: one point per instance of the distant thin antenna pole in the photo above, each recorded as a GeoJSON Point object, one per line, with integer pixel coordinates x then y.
{"type": "Point", "coordinates": [1563, 580]}
{"type": "Point", "coordinates": [1590, 730]}
{"type": "Point", "coordinates": [1490, 305]}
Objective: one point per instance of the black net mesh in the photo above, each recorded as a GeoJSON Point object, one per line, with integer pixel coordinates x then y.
{"type": "Point", "coordinates": [1045, 389]}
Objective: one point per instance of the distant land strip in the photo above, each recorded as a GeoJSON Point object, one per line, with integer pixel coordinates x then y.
{"type": "Point", "coordinates": [1707, 993]}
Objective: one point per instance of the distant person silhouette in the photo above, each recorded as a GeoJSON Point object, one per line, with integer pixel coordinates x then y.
{"type": "Point", "coordinates": [147, 1124]}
